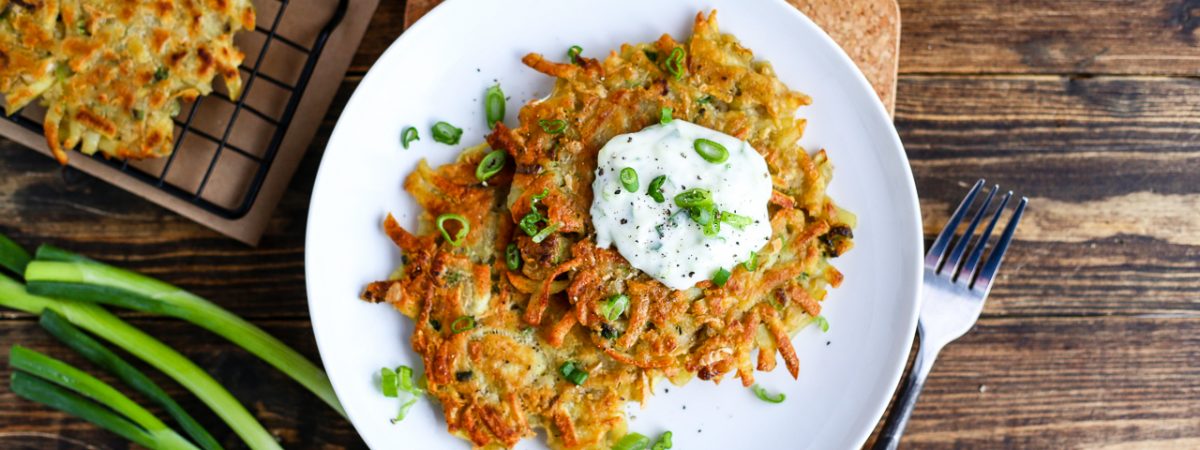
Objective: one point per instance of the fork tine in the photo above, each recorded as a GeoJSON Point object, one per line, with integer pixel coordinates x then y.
{"type": "Point", "coordinates": [956, 255]}
{"type": "Point", "coordinates": [938, 249]}
{"type": "Point", "coordinates": [993, 263]}
{"type": "Point", "coordinates": [967, 273]}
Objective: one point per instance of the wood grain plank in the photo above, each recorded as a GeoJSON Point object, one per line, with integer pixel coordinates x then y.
{"type": "Point", "coordinates": [1109, 164]}
{"type": "Point", "coordinates": [1046, 36]}
{"type": "Point", "coordinates": [1064, 383]}
{"type": "Point", "coordinates": [295, 417]}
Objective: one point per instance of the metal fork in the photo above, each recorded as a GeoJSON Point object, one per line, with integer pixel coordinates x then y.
{"type": "Point", "coordinates": [954, 291]}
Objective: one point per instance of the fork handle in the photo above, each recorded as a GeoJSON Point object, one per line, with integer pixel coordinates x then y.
{"type": "Point", "coordinates": [906, 399]}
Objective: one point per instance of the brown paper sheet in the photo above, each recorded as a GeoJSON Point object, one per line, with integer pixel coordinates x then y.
{"type": "Point", "coordinates": [868, 30]}
{"type": "Point", "coordinates": [252, 130]}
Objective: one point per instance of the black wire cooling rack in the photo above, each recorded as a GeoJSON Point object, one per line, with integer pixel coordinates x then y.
{"type": "Point", "coordinates": [255, 161]}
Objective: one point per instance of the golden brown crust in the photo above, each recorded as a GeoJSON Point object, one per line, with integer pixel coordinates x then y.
{"type": "Point", "coordinates": [112, 73]}
{"type": "Point", "coordinates": [499, 381]}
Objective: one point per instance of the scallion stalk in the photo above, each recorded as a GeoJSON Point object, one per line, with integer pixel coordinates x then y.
{"type": "Point", "coordinates": [12, 256]}
{"type": "Point", "coordinates": [104, 324]}
{"type": "Point", "coordinates": [101, 283]}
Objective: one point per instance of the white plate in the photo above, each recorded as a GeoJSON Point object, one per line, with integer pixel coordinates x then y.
{"type": "Point", "coordinates": [439, 69]}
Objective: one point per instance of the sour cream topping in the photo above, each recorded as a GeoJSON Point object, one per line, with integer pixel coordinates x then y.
{"type": "Point", "coordinates": [661, 239]}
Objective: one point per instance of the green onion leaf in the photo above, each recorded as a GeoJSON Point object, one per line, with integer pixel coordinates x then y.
{"type": "Point", "coordinates": [573, 373]}
{"type": "Point", "coordinates": [737, 220]}
{"type": "Point", "coordinates": [632, 441]}
{"type": "Point", "coordinates": [463, 229]}
{"type": "Point", "coordinates": [493, 105]}
{"type": "Point", "coordinates": [405, 375]}
{"type": "Point", "coordinates": [720, 277]}
{"type": "Point", "coordinates": [712, 228]}
{"type": "Point", "coordinates": [703, 215]}
{"type": "Point", "coordinates": [446, 133]}
{"type": "Point", "coordinates": [35, 389]}
{"type": "Point", "coordinates": [629, 179]}
{"type": "Point", "coordinates": [490, 165]}
{"type": "Point", "coordinates": [655, 189]}
{"type": "Point", "coordinates": [614, 307]}
{"type": "Point", "coordinates": [573, 53]}
{"type": "Point", "coordinates": [555, 126]}
{"type": "Point", "coordinates": [529, 223]}
{"type": "Point", "coordinates": [663, 442]}
{"type": "Point", "coordinates": [821, 322]}
{"type": "Point", "coordinates": [711, 151]}
{"type": "Point", "coordinates": [694, 198]}
{"type": "Point", "coordinates": [12, 256]}
{"type": "Point", "coordinates": [389, 382]}
{"type": "Point", "coordinates": [675, 63]}
{"type": "Point", "coordinates": [752, 263]}
{"type": "Point", "coordinates": [766, 396]}
{"type": "Point", "coordinates": [461, 324]}
{"type": "Point", "coordinates": [542, 235]}
{"type": "Point", "coordinates": [100, 355]}
{"type": "Point", "coordinates": [408, 135]}
{"type": "Point", "coordinates": [512, 257]}
{"type": "Point", "coordinates": [664, 115]}
{"type": "Point", "coordinates": [407, 405]}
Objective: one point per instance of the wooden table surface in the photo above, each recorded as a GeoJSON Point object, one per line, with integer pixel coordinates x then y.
{"type": "Point", "coordinates": [1091, 337]}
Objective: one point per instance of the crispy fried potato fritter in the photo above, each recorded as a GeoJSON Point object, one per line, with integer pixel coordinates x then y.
{"type": "Point", "coordinates": [500, 380]}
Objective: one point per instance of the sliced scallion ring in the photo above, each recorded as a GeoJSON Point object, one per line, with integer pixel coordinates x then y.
{"type": "Point", "coordinates": [675, 63]}
{"type": "Point", "coordinates": [655, 189]}
{"type": "Point", "coordinates": [409, 135]}
{"type": "Point", "coordinates": [555, 126]}
{"type": "Point", "coordinates": [493, 105]}
{"type": "Point", "coordinates": [464, 228]}
{"type": "Point", "coordinates": [446, 133]}
{"type": "Point", "coordinates": [461, 324]}
{"type": "Point", "coordinates": [490, 165]}
{"type": "Point", "coordinates": [629, 179]}
{"type": "Point", "coordinates": [612, 308]}
{"type": "Point", "coordinates": [512, 257]}
{"type": "Point", "coordinates": [694, 198]}
{"type": "Point", "coordinates": [720, 277]}
{"type": "Point", "coordinates": [665, 115]}
{"type": "Point", "coordinates": [752, 263]}
{"type": "Point", "coordinates": [542, 235]}
{"type": "Point", "coordinates": [765, 396]}
{"type": "Point", "coordinates": [737, 220]}
{"type": "Point", "coordinates": [573, 53]}
{"type": "Point", "coordinates": [711, 151]}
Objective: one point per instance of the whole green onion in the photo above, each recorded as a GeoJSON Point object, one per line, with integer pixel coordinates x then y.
{"type": "Point", "coordinates": [463, 229]}
{"type": "Point", "coordinates": [490, 165]}
{"type": "Point", "coordinates": [446, 133]}
{"type": "Point", "coordinates": [711, 151]}
{"type": "Point", "coordinates": [629, 179]}
{"type": "Point", "coordinates": [512, 257]}
{"type": "Point", "coordinates": [493, 105]}
{"type": "Point", "coordinates": [101, 356]}
{"type": "Point", "coordinates": [720, 277]}
{"type": "Point", "coordinates": [111, 328]}
{"type": "Point", "coordinates": [409, 135]}
{"type": "Point", "coordinates": [765, 396]}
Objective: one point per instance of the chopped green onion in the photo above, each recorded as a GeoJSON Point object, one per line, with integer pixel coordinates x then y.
{"type": "Point", "coordinates": [821, 322]}
{"type": "Point", "coordinates": [446, 133]}
{"type": "Point", "coordinates": [737, 220]}
{"type": "Point", "coordinates": [408, 135]}
{"type": "Point", "coordinates": [108, 326]}
{"type": "Point", "coordinates": [98, 354]}
{"type": "Point", "coordinates": [663, 442]}
{"type": "Point", "coordinates": [161, 74]}
{"type": "Point", "coordinates": [493, 105]}
{"type": "Point", "coordinates": [138, 114]}
{"type": "Point", "coordinates": [651, 55]}
{"type": "Point", "coordinates": [407, 405]}
{"type": "Point", "coordinates": [573, 373]}
{"type": "Point", "coordinates": [766, 396]}
{"type": "Point", "coordinates": [512, 257]}
{"type": "Point", "coordinates": [632, 441]}
{"type": "Point", "coordinates": [711, 151]}
{"type": "Point", "coordinates": [463, 229]}
{"type": "Point", "coordinates": [542, 235]}
{"type": "Point", "coordinates": [720, 277]}
{"type": "Point", "coordinates": [702, 215]}
{"type": "Point", "coordinates": [629, 179]}
{"type": "Point", "coordinates": [389, 382]}
{"type": "Point", "coordinates": [694, 198]}
{"type": "Point", "coordinates": [555, 126]}
{"type": "Point", "coordinates": [614, 307]}
{"type": "Point", "coordinates": [403, 382]}
{"type": "Point", "coordinates": [405, 375]}
{"type": "Point", "coordinates": [675, 63]}
{"type": "Point", "coordinates": [752, 263]}
{"type": "Point", "coordinates": [664, 115]}
{"type": "Point", "coordinates": [461, 324]}
{"type": "Point", "coordinates": [704, 100]}
{"type": "Point", "coordinates": [573, 53]}
{"type": "Point", "coordinates": [490, 165]}
{"type": "Point", "coordinates": [533, 201]}
{"type": "Point", "coordinates": [655, 189]}
{"type": "Point", "coordinates": [712, 228]}
{"type": "Point", "coordinates": [529, 223]}
{"type": "Point", "coordinates": [12, 256]}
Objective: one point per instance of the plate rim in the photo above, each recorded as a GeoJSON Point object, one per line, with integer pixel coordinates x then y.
{"type": "Point", "coordinates": [899, 359]}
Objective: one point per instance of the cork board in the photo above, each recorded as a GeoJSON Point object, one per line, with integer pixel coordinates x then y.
{"type": "Point", "coordinates": [868, 30]}
{"type": "Point", "coordinates": [205, 171]}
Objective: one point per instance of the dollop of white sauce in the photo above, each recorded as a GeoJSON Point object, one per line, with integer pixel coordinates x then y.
{"type": "Point", "coordinates": [659, 238]}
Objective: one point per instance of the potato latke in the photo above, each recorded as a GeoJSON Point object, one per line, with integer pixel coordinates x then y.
{"type": "Point", "coordinates": [500, 379]}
